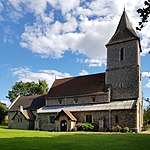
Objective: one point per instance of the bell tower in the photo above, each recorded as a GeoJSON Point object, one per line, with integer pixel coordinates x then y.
{"type": "Point", "coordinates": [123, 62]}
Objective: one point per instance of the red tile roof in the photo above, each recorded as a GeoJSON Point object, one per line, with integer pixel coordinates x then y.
{"type": "Point", "coordinates": [80, 85]}
{"type": "Point", "coordinates": [67, 113]}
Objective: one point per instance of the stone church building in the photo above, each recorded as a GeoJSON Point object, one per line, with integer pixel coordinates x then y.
{"type": "Point", "coordinates": [104, 99]}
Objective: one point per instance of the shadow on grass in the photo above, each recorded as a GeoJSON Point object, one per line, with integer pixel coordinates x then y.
{"type": "Point", "coordinates": [3, 127]}
{"type": "Point", "coordinates": [77, 142]}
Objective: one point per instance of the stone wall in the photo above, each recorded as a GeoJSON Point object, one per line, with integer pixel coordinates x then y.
{"type": "Point", "coordinates": [19, 121]}
{"type": "Point", "coordinates": [44, 121]}
{"type": "Point", "coordinates": [124, 83]}
{"type": "Point", "coordinates": [124, 76]}
{"type": "Point", "coordinates": [131, 55]}
{"type": "Point", "coordinates": [79, 100]}
{"type": "Point", "coordinates": [126, 118]}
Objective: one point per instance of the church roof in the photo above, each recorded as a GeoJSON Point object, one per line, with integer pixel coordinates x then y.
{"type": "Point", "coordinates": [28, 102]}
{"type": "Point", "coordinates": [81, 85]}
{"type": "Point", "coordinates": [114, 105]}
{"type": "Point", "coordinates": [124, 31]}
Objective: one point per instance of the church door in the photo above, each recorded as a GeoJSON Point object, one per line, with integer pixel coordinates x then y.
{"type": "Point", "coordinates": [63, 125]}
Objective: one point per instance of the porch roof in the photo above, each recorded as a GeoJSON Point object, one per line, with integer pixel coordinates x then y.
{"type": "Point", "coordinates": [114, 105]}
{"type": "Point", "coordinates": [68, 114]}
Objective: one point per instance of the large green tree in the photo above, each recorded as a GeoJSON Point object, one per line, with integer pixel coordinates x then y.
{"type": "Point", "coordinates": [27, 89]}
{"type": "Point", "coordinates": [2, 112]}
{"type": "Point", "coordinates": [144, 14]}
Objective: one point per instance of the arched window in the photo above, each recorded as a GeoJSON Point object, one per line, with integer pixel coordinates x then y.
{"type": "Point", "coordinates": [121, 57]}
{"type": "Point", "coordinates": [121, 85]}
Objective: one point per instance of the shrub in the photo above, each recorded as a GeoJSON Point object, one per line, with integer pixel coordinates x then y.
{"type": "Point", "coordinates": [116, 128]}
{"type": "Point", "coordinates": [83, 127]}
{"type": "Point", "coordinates": [125, 129]}
{"type": "Point", "coordinates": [87, 127]}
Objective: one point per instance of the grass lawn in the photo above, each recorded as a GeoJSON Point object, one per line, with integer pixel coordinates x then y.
{"type": "Point", "coordinates": [27, 140]}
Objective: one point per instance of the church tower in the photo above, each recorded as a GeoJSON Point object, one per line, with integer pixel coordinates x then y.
{"type": "Point", "coordinates": [123, 73]}
{"type": "Point", "coordinates": [123, 62]}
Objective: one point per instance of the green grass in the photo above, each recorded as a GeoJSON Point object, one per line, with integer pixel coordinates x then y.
{"type": "Point", "coordinates": [39, 140]}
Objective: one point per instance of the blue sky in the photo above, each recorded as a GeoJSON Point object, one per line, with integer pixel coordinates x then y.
{"type": "Point", "coordinates": [44, 39]}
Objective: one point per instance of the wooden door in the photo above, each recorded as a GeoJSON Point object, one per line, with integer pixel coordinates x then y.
{"type": "Point", "coordinates": [63, 125]}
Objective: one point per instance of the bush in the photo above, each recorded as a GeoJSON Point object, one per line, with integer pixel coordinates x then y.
{"type": "Point", "coordinates": [125, 129]}
{"type": "Point", "coordinates": [83, 127]}
{"type": "Point", "coordinates": [87, 127]}
{"type": "Point", "coordinates": [116, 128]}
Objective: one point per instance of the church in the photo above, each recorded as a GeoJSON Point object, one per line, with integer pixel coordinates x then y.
{"type": "Point", "coordinates": [104, 99]}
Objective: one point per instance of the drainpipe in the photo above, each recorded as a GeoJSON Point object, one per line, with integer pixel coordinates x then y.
{"type": "Point", "coordinates": [109, 119]}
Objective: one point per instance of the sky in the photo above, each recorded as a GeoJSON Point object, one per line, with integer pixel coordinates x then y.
{"type": "Point", "coordinates": [48, 39]}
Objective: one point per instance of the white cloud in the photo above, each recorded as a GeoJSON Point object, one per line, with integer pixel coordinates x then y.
{"type": "Point", "coordinates": [147, 75]}
{"type": "Point", "coordinates": [92, 62]}
{"type": "Point", "coordinates": [67, 6]}
{"type": "Point", "coordinates": [148, 84]}
{"type": "Point", "coordinates": [83, 72]}
{"type": "Point", "coordinates": [7, 102]}
{"type": "Point", "coordinates": [36, 7]}
{"type": "Point", "coordinates": [70, 26]}
{"type": "Point", "coordinates": [81, 28]}
{"type": "Point", "coordinates": [1, 9]}
{"type": "Point", "coordinates": [8, 35]}
{"type": "Point", "coordinates": [24, 74]}
{"type": "Point", "coordinates": [1, 6]}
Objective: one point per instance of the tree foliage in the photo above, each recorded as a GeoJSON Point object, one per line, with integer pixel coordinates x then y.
{"type": "Point", "coordinates": [2, 112]}
{"type": "Point", "coordinates": [27, 89]}
{"type": "Point", "coordinates": [144, 14]}
{"type": "Point", "coordinates": [146, 116]}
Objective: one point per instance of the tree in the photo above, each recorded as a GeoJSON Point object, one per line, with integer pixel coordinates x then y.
{"type": "Point", "coordinates": [2, 112]}
{"type": "Point", "coordinates": [146, 116]}
{"type": "Point", "coordinates": [27, 89]}
{"type": "Point", "coordinates": [144, 14]}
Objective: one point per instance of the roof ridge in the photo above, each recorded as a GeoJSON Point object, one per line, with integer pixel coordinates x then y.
{"type": "Point", "coordinates": [33, 95]}
{"type": "Point", "coordinates": [80, 76]}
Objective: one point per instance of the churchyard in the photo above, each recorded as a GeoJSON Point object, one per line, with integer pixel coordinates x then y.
{"type": "Point", "coordinates": [36, 140]}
